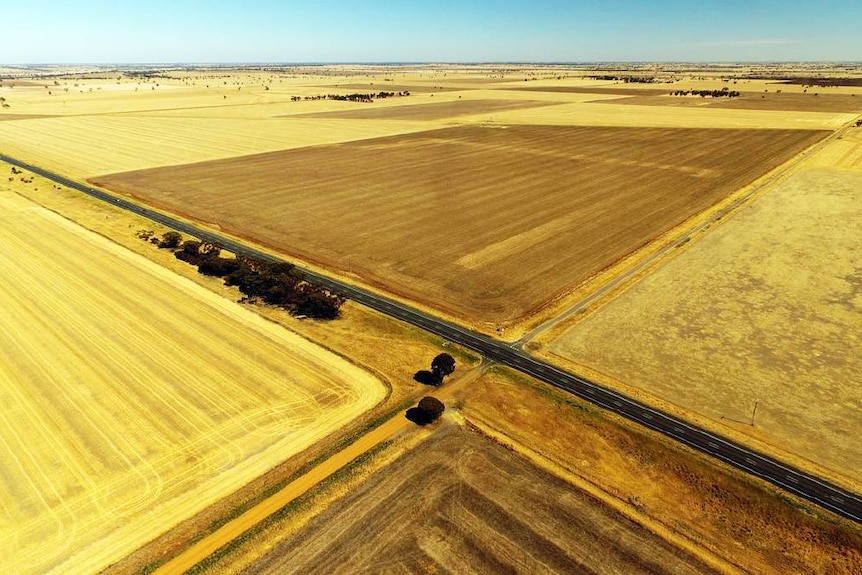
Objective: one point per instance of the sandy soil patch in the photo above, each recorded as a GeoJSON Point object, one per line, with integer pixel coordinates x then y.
{"type": "Point", "coordinates": [764, 308]}
{"type": "Point", "coordinates": [134, 398]}
{"type": "Point", "coordinates": [490, 223]}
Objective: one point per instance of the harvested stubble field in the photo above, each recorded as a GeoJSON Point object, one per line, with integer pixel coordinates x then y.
{"type": "Point", "coordinates": [724, 516]}
{"type": "Point", "coordinates": [767, 307]}
{"type": "Point", "coordinates": [458, 503]}
{"type": "Point", "coordinates": [435, 111]}
{"type": "Point", "coordinates": [601, 111]}
{"type": "Point", "coordinates": [491, 223]}
{"type": "Point", "coordinates": [133, 398]}
{"type": "Point", "coordinates": [91, 145]}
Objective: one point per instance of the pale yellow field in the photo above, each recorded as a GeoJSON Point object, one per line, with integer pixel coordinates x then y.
{"type": "Point", "coordinates": [766, 307]}
{"type": "Point", "coordinates": [599, 114]}
{"type": "Point", "coordinates": [844, 153]}
{"type": "Point", "coordinates": [133, 398]}
{"type": "Point", "coordinates": [93, 145]}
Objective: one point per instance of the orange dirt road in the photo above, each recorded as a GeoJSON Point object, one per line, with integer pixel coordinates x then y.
{"type": "Point", "coordinates": [299, 486]}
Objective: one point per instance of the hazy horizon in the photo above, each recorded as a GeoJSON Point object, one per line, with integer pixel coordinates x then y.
{"type": "Point", "coordinates": [472, 31]}
{"type": "Point", "coordinates": [168, 63]}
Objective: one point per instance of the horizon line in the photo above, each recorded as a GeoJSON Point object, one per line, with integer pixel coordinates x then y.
{"type": "Point", "coordinates": [429, 63]}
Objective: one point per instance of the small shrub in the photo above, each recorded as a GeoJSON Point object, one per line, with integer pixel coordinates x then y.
{"type": "Point", "coordinates": [170, 240]}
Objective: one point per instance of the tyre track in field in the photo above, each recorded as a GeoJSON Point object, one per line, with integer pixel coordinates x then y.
{"type": "Point", "coordinates": [52, 290]}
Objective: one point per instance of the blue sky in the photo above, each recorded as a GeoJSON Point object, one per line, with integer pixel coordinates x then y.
{"type": "Point", "coordinates": [43, 31]}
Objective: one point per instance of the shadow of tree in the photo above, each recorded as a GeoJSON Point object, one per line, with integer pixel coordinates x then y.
{"type": "Point", "coordinates": [426, 377]}
{"type": "Point", "coordinates": [418, 416]}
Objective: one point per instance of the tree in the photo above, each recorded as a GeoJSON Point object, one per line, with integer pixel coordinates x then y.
{"type": "Point", "coordinates": [428, 411]}
{"type": "Point", "coordinates": [432, 406]}
{"type": "Point", "coordinates": [170, 240]}
{"type": "Point", "coordinates": [443, 364]}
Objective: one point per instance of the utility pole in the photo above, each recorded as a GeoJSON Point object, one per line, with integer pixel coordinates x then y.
{"type": "Point", "coordinates": [753, 412]}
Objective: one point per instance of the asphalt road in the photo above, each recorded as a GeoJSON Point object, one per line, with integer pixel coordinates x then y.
{"type": "Point", "coordinates": [812, 488]}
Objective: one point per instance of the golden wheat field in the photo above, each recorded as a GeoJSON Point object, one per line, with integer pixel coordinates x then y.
{"type": "Point", "coordinates": [133, 398]}
{"type": "Point", "coordinates": [765, 308]}
{"type": "Point", "coordinates": [485, 224]}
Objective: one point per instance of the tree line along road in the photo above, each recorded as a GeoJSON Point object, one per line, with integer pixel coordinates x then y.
{"type": "Point", "coordinates": [819, 491]}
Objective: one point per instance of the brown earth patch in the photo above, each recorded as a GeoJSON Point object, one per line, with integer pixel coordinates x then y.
{"type": "Point", "coordinates": [459, 503]}
{"type": "Point", "coordinates": [389, 87]}
{"type": "Point", "coordinates": [435, 111]}
{"type": "Point", "coordinates": [590, 90]}
{"type": "Point", "coordinates": [786, 102]}
{"type": "Point", "coordinates": [486, 224]}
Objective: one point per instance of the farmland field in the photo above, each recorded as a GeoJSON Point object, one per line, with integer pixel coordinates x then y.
{"type": "Point", "coordinates": [767, 308]}
{"type": "Point", "coordinates": [491, 223]}
{"type": "Point", "coordinates": [133, 398]}
{"type": "Point", "coordinates": [459, 503]}
{"type": "Point", "coordinates": [91, 145]}
{"type": "Point", "coordinates": [435, 111]}
{"type": "Point", "coordinates": [757, 101]}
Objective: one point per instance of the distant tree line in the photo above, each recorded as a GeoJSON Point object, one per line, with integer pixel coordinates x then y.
{"type": "Point", "coordinates": [367, 98]}
{"type": "Point", "coordinates": [149, 74]}
{"type": "Point", "coordinates": [723, 93]}
{"type": "Point", "coordinates": [273, 283]}
{"type": "Point", "coordinates": [625, 79]}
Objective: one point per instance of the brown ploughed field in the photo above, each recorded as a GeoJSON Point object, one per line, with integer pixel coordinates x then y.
{"type": "Point", "coordinates": [756, 101]}
{"type": "Point", "coordinates": [435, 111]}
{"type": "Point", "coordinates": [590, 90]}
{"type": "Point", "coordinates": [459, 503]}
{"type": "Point", "coordinates": [491, 223]}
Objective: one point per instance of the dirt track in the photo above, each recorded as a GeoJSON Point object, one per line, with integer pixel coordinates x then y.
{"type": "Point", "coordinates": [236, 527]}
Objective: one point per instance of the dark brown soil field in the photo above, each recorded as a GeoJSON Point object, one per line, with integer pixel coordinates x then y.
{"type": "Point", "coordinates": [461, 504]}
{"type": "Point", "coordinates": [590, 90]}
{"type": "Point", "coordinates": [485, 223]}
{"type": "Point", "coordinates": [757, 101]}
{"type": "Point", "coordinates": [818, 82]}
{"type": "Point", "coordinates": [435, 111]}
{"type": "Point", "coordinates": [389, 87]}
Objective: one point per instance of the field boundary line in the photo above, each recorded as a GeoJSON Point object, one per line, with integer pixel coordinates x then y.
{"type": "Point", "coordinates": [305, 483]}
{"type": "Point", "coordinates": [674, 238]}
{"type": "Point", "coordinates": [603, 497]}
